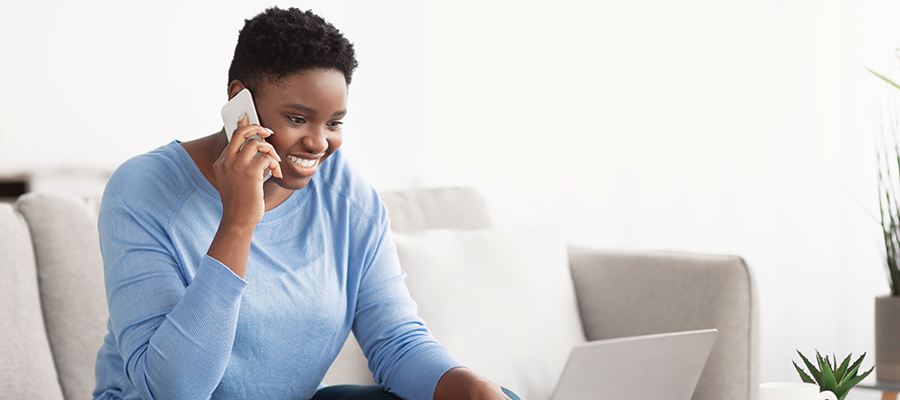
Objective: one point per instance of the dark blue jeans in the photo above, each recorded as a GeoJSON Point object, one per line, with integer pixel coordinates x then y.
{"type": "Point", "coordinates": [367, 392]}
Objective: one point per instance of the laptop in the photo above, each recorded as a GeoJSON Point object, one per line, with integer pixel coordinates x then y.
{"type": "Point", "coordinates": [650, 367]}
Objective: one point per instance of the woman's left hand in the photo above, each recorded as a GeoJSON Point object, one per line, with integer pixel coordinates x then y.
{"type": "Point", "coordinates": [465, 384]}
{"type": "Point", "coordinates": [487, 390]}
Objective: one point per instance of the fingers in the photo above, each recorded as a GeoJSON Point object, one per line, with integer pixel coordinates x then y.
{"type": "Point", "coordinates": [268, 162]}
{"type": "Point", "coordinates": [267, 153]}
{"type": "Point", "coordinates": [244, 132]}
{"type": "Point", "coordinates": [247, 148]}
{"type": "Point", "coordinates": [256, 145]}
{"type": "Point", "coordinates": [265, 148]}
{"type": "Point", "coordinates": [261, 155]}
{"type": "Point", "coordinates": [272, 156]}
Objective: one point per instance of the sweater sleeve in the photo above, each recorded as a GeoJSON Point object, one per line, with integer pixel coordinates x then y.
{"type": "Point", "coordinates": [173, 331]}
{"type": "Point", "coordinates": [402, 354]}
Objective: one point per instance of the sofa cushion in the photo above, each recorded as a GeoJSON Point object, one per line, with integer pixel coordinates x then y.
{"type": "Point", "coordinates": [452, 208]}
{"type": "Point", "coordinates": [70, 270]}
{"type": "Point", "coordinates": [502, 302]}
{"type": "Point", "coordinates": [26, 369]}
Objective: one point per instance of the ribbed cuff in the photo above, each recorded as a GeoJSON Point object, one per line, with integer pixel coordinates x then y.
{"type": "Point", "coordinates": [417, 373]}
{"type": "Point", "coordinates": [217, 291]}
{"type": "Point", "coordinates": [219, 272]}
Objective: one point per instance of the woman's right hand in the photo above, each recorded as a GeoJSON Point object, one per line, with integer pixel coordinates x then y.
{"type": "Point", "coordinates": [239, 177]}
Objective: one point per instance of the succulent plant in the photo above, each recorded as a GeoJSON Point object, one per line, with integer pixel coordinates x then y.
{"type": "Point", "coordinates": [839, 381]}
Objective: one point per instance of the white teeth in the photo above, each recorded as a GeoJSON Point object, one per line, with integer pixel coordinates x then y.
{"type": "Point", "coordinates": [302, 161]}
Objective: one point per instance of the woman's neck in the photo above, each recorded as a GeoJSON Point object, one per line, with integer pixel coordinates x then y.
{"type": "Point", "coordinates": [206, 150]}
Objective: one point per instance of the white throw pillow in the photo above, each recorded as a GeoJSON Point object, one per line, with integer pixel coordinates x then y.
{"type": "Point", "coordinates": [502, 302]}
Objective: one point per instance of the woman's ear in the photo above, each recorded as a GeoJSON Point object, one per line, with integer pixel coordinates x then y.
{"type": "Point", "coordinates": [234, 88]}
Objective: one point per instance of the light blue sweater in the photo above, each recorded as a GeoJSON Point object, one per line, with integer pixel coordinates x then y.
{"type": "Point", "coordinates": [184, 326]}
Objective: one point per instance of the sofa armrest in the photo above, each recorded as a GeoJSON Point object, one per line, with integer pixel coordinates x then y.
{"type": "Point", "coordinates": [634, 293]}
{"type": "Point", "coordinates": [27, 370]}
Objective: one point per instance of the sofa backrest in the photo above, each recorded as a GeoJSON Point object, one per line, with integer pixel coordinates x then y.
{"type": "Point", "coordinates": [628, 293]}
{"type": "Point", "coordinates": [450, 208]}
{"type": "Point", "coordinates": [70, 272]}
{"type": "Point", "coordinates": [27, 370]}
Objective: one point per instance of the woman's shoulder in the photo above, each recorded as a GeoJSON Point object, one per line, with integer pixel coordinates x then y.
{"type": "Point", "coordinates": [341, 181]}
{"type": "Point", "coordinates": [156, 177]}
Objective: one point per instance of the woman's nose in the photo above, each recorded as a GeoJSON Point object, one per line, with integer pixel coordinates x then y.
{"type": "Point", "coordinates": [315, 142]}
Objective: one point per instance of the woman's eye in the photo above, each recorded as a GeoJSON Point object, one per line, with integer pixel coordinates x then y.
{"type": "Point", "coordinates": [335, 124]}
{"type": "Point", "coordinates": [297, 120]}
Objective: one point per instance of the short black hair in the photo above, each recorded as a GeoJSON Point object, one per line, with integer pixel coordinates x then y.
{"type": "Point", "coordinates": [278, 43]}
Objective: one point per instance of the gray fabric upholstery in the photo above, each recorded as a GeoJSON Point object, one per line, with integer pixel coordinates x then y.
{"type": "Point", "coordinates": [27, 370]}
{"type": "Point", "coordinates": [634, 293]}
{"type": "Point", "coordinates": [451, 208]}
{"type": "Point", "coordinates": [70, 271]}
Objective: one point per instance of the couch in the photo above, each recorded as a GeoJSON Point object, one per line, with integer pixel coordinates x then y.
{"type": "Point", "coordinates": [53, 309]}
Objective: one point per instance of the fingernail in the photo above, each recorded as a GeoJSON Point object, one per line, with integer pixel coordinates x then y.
{"type": "Point", "coordinates": [269, 130]}
{"type": "Point", "coordinates": [242, 116]}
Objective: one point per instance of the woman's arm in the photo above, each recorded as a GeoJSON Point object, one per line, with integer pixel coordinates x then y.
{"type": "Point", "coordinates": [403, 356]}
{"type": "Point", "coordinates": [239, 179]}
{"type": "Point", "coordinates": [175, 332]}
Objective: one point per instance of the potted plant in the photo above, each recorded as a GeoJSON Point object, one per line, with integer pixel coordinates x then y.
{"type": "Point", "coordinates": [838, 380]}
{"type": "Point", "coordinates": [887, 308]}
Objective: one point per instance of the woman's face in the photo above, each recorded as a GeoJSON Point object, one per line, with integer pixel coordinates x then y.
{"type": "Point", "coordinates": [305, 111]}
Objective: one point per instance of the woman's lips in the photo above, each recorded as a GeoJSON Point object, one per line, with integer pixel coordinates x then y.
{"type": "Point", "coordinates": [303, 162]}
{"type": "Point", "coordinates": [304, 166]}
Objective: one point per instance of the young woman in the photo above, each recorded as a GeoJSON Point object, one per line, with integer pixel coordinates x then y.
{"type": "Point", "coordinates": [223, 284]}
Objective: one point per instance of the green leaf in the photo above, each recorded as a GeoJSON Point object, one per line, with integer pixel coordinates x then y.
{"type": "Point", "coordinates": [841, 393]}
{"type": "Point", "coordinates": [864, 375]}
{"type": "Point", "coordinates": [884, 78]}
{"type": "Point", "coordinates": [803, 376]}
{"type": "Point", "coordinates": [850, 383]}
{"type": "Point", "coordinates": [841, 372]}
{"type": "Point", "coordinates": [855, 366]}
{"type": "Point", "coordinates": [850, 374]}
{"type": "Point", "coordinates": [821, 361]}
{"type": "Point", "coordinates": [812, 369]}
{"type": "Point", "coordinates": [827, 381]}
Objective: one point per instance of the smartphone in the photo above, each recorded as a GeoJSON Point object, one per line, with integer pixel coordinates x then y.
{"type": "Point", "coordinates": [234, 110]}
{"type": "Point", "coordinates": [240, 104]}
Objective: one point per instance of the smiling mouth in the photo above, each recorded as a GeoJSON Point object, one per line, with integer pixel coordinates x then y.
{"type": "Point", "coordinates": [302, 161]}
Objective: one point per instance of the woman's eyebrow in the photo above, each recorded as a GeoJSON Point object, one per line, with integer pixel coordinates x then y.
{"type": "Point", "coordinates": [303, 108]}
{"type": "Point", "coordinates": [312, 111]}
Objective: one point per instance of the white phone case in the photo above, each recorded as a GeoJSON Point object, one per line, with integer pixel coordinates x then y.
{"type": "Point", "coordinates": [234, 110]}
{"type": "Point", "coordinates": [240, 104]}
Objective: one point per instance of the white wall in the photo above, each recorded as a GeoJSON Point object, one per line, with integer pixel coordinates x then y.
{"type": "Point", "coordinates": [706, 126]}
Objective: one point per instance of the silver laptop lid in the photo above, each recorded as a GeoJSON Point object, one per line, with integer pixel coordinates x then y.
{"type": "Point", "coordinates": [650, 367]}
